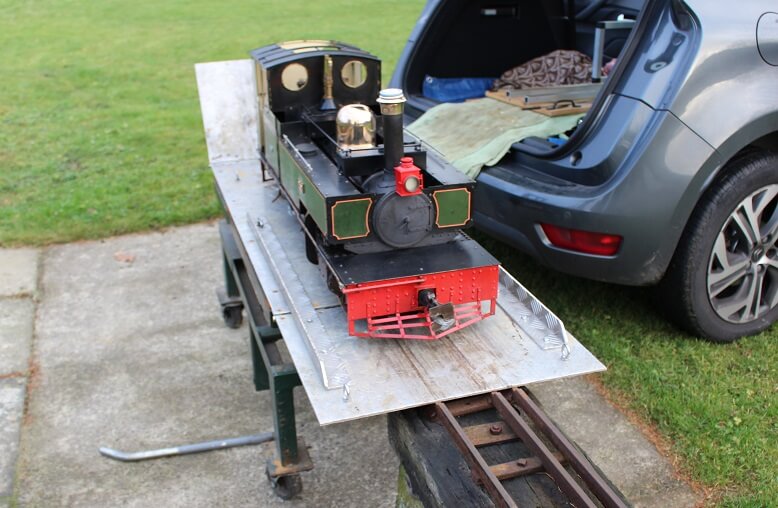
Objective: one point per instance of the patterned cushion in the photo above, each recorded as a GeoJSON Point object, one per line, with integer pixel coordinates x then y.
{"type": "Point", "coordinates": [560, 67]}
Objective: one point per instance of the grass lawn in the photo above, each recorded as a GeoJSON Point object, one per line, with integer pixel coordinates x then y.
{"type": "Point", "coordinates": [100, 134]}
{"type": "Point", "coordinates": [100, 128]}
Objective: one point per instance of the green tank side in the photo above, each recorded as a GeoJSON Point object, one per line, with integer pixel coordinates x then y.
{"type": "Point", "coordinates": [301, 189]}
{"type": "Point", "coordinates": [452, 206]}
{"type": "Point", "coordinates": [350, 218]}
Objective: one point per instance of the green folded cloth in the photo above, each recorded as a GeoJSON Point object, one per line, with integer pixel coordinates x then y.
{"type": "Point", "coordinates": [478, 133]}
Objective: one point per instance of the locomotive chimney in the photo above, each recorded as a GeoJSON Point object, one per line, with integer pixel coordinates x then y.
{"type": "Point", "coordinates": [392, 102]}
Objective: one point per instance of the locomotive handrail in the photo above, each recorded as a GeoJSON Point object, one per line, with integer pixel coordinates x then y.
{"type": "Point", "coordinates": [296, 153]}
{"type": "Point", "coordinates": [307, 115]}
{"type": "Point", "coordinates": [311, 121]}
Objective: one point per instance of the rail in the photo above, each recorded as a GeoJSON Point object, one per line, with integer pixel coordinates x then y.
{"type": "Point", "coordinates": [521, 419]}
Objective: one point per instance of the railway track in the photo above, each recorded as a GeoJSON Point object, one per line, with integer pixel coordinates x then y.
{"type": "Point", "coordinates": [489, 428]}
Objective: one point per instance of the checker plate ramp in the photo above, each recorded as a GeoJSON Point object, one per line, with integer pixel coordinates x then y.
{"type": "Point", "coordinates": [347, 377]}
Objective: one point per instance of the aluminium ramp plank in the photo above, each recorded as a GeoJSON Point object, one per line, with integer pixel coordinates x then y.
{"type": "Point", "coordinates": [381, 375]}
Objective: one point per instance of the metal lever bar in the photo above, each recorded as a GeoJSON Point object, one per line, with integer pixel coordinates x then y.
{"type": "Point", "coordinates": [205, 446]}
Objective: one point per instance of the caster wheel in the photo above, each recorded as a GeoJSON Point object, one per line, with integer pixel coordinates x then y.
{"type": "Point", "coordinates": [287, 487]}
{"type": "Point", "coordinates": [233, 316]}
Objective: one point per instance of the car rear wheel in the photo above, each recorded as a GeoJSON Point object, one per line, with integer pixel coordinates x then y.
{"type": "Point", "coordinates": [723, 281]}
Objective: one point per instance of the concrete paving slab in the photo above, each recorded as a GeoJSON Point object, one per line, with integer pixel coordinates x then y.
{"type": "Point", "coordinates": [16, 318]}
{"type": "Point", "coordinates": [11, 413]}
{"type": "Point", "coordinates": [133, 354]}
{"type": "Point", "coordinates": [18, 271]}
{"type": "Point", "coordinates": [623, 454]}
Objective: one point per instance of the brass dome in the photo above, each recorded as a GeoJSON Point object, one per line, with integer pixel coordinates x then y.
{"type": "Point", "coordinates": [355, 126]}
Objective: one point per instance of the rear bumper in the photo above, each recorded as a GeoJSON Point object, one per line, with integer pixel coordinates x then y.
{"type": "Point", "coordinates": [618, 269]}
{"type": "Point", "coordinates": [637, 263]}
{"type": "Point", "coordinates": [658, 171]}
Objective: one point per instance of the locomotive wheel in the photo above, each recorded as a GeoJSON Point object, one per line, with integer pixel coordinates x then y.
{"type": "Point", "coordinates": [310, 249]}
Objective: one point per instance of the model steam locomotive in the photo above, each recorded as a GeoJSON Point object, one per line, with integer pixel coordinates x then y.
{"type": "Point", "coordinates": [382, 217]}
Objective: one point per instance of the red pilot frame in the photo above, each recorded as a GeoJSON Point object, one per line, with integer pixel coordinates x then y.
{"type": "Point", "coordinates": [391, 308]}
{"type": "Point", "coordinates": [407, 178]}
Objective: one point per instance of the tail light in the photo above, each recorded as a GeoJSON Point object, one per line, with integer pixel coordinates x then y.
{"type": "Point", "coordinates": [588, 242]}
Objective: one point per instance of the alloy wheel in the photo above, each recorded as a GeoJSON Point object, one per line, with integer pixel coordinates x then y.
{"type": "Point", "coordinates": [742, 278]}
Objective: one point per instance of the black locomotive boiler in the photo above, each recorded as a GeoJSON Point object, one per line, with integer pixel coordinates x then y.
{"type": "Point", "coordinates": [382, 217]}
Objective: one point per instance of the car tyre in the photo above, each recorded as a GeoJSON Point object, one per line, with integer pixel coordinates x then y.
{"type": "Point", "coordinates": [723, 281]}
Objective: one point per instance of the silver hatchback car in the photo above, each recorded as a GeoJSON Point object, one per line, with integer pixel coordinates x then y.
{"type": "Point", "coordinates": [672, 176]}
